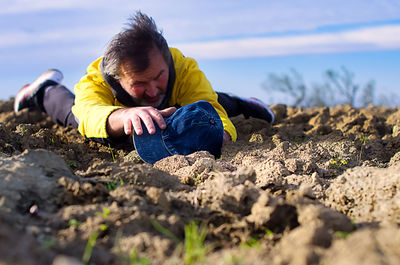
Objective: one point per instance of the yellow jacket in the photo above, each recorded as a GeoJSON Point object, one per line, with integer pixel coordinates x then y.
{"type": "Point", "coordinates": [95, 101]}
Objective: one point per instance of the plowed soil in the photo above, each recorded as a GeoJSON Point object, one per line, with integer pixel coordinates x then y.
{"type": "Point", "coordinates": [320, 186]}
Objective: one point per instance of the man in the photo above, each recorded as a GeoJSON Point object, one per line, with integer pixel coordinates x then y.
{"type": "Point", "coordinates": [139, 82]}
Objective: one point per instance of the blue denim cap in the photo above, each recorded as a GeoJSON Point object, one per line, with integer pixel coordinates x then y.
{"type": "Point", "coordinates": [192, 128]}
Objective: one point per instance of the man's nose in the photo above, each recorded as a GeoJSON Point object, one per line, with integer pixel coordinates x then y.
{"type": "Point", "coordinates": [152, 90]}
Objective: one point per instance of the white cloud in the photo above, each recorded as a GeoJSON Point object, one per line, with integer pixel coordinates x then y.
{"type": "Point", "coordinates": [221, 19]}
{"type": "Point", "coordinates": [26, 6]}
{"type": "Point", "coordinates": [187, 25]}
{"type": "Point", "coordinates": [366, 39]}
{"type": "Point", "coordinates": [188, 20]}
{"type": "Point", "coordinates": [75, 35]}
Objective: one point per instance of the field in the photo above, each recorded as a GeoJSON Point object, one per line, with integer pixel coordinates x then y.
{"type": "Point", "coordinates": [320, 186]}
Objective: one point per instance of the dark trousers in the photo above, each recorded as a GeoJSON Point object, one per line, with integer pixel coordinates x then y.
{"type": "Point", "coordinates": [58, 101]}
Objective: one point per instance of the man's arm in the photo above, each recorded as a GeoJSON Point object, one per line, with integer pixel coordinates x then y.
{"type": "Point", "coordinates": [122, 121]}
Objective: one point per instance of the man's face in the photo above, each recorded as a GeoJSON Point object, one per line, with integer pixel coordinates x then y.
{"type": "Point", "coordinates": [147, 88]}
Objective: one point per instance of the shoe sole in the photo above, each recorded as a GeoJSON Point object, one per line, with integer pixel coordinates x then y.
{"type": "Point", "coordinates": [51, 74]}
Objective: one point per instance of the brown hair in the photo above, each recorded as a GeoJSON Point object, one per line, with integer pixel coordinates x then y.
{"type": "Point", "coordinates": [133, 45]}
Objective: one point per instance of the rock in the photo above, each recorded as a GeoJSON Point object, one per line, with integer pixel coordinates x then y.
{"type": "Point", "coordinates": [31, 178]}
{"type": "Point", "coordinates": [367, 247]}
{"type": "Point", "coordinates": [367, 194]}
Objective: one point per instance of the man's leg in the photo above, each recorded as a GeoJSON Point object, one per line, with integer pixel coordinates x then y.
{"type": "Point", "coordinates": [230, 104]}
{"type": "Point", "coordinates": [57, 103]}
{"type": "Point", "coordinates": [249, 107]}
{"type": "Point", "coordinates": [47, 94]}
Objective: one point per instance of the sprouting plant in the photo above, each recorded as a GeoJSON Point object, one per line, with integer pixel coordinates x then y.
{"type": "Point", "coordinates": [47, 243]}
{"type": "Point", "coordinates": [74, 223]}
{"type": "Point", "coordinates": [252, 242]}
{"type": "Point", "coordinates": [339, 163]}
{"type": "Point", "coordinates": [341, 234]}
{"type": "Point", "coordinates": [194, 247]}
{"type": "Point", "coordinates": [135, 259]}
{"type": "Point", "coordinates": [121, 181]}
{"type": "Point", "coordinates": [135, 178]}
{"type": "Point", "coordinates": [112, 153]}
{"type": "Point", "coordinates": [91, 243]}
{"type": "Point", "coordinates": [94, 235]}
{"type": "Point", "coordinates": [72, 164]}
{"type": "Point", "coordinates": [164, 231]}
{"type": "Point", "coordinates": [128, 259]}
{"type": "Point", "coordinates": [363, 139]}
{"type": "Point", "coordinates": [24, 131]}
{"type": "Point", "coordinates": [269, 232]}
{"type": "Point", "coordinates": [111, 185]}
{"type": "Point", "coordinates": [197, 179]}
{"type": "Point", "coordinates": [104, 214]}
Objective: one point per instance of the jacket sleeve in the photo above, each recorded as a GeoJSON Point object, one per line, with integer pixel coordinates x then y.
{"type": "Point", "coordinates": [191, 85]}
{"type": "Point", "coordinates": [94, 102]}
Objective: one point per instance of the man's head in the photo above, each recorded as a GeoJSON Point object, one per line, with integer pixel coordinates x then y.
{"type": "Point", "coordinates": [138, 57]}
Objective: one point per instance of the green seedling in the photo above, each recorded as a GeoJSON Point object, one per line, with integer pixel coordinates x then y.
{"type": "Point", "coordinates": [135, 179]}
{"type": "Point", "coordinates": [128, 259]}
{"type": "Point", "coordinates": [48, 243]}
{"type": "Point", "coordinates": [112, 153]}
{"type": "Point", "coordinates": [105, 213]}
{"type": "Point", "coordinates": [164, 231]}
{"type": "Point", "coordinates": [195, 250]}
{"type": "Point", "coordinates": [134, 259]}
{"type": "Point", "coordinates": [74, 223]}
{"type": "Point", "coordinates": [339, 163]}
{"type": "Point", "coordinates": [121, 181]}
{"type": "Point", "coordinates": [72, 164]}
{"type": "Point", "coordinates": [23, 131]}
{"type": "Point", "coordinates": [91, 243]}
{"type": "Point", "coordinates": [197, 179]}
{"type": "Point", "coordinates": [341, 234]}
{"type": "Point", "coordinates": [363, 139]}
{"type": "Point", "coordinates": [112, 185]}
{"type": "Point", "coordinates": [269, 232]}
{"type": "Point", "coordinates": [251, 243]}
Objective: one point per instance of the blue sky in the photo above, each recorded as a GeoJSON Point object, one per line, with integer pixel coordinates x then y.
{"type": "Point", "coordinates": [236, 43]}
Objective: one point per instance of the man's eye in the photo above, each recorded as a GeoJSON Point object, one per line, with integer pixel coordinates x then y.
{"type": "Point", "coordinates": [159, 76]}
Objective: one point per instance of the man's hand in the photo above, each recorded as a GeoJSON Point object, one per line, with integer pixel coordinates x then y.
{"type": "Point", "coordinates": [227, 138]}
{"type": "Point", "coordinates": [124, 120]}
